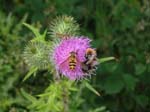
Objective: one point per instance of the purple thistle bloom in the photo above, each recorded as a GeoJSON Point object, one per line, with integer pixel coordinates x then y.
{"type": "Point", "coordinates": [61, 54]}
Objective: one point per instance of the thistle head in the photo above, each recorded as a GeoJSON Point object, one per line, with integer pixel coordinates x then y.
{"type": "Point", "coordinates": [63, 26]}
{"type": "Point", "coordinates": [36, 54]}
{"type": "Point", "coordinates": [68, 57]}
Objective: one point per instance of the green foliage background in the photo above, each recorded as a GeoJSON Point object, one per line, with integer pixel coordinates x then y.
{"type": "Point", "coordinates": [119, 28]}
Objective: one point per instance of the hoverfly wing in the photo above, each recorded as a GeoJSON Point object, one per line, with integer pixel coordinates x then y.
{"type": "Point", "coordinates": [66, 61]}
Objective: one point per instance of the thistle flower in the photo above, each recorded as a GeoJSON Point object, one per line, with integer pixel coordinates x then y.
{"type": "Point", "coordinates": [68, 56]}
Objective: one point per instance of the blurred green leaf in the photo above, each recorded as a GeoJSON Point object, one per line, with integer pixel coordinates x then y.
{"type": "Point", "coordinates": [142, 100]}
{"type": "Point", "coordinates": [102, 60]}
{"type": "Point", "coordinates": [139, 69]}
{"type": "Point", "coordinates": [113, 84]}
{"type": "Point", "coordinates": [130, 81]}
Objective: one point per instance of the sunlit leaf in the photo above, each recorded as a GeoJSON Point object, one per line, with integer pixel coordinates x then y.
{"type": "Point", "coordinates": [100, 109]}
{"type": "Point", "coordinates": [44, 94]}
{"type": "Point", "coordinates": [38, 36]}
{"type": "Point", "coordinates": [102, 60]}
{"type": "Point", "coordinates": [28, 96]}
{"type": "Point", "coordinates": [34, 30]}
{"type": "Point", "coordinates": [31, 72]}
{"type": "Point", "coordinates": [73, 89]}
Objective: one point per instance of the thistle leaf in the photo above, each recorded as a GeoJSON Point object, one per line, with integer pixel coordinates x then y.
{"type": "Point", "coordinates": [38, 36]}
{"type": "Point", "coordinates": [34, 30]}
{"type": "Point", "coordinates": [91, 88]}
{"type": "Point", "coordinates": [28, 96]}
{"type": "Point", "coordinates": [102, 60]}
{"type": "Point", "coordinates": [32, 71]}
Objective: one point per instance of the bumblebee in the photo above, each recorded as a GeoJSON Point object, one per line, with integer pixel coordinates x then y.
{"type": "Point", "coordinates": [90, 55]}
{"type": "Point", "coordinates": [89, 65]}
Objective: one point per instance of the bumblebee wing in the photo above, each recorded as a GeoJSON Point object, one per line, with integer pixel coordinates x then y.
{"type": "Point", "coordinates": [84, 67]}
